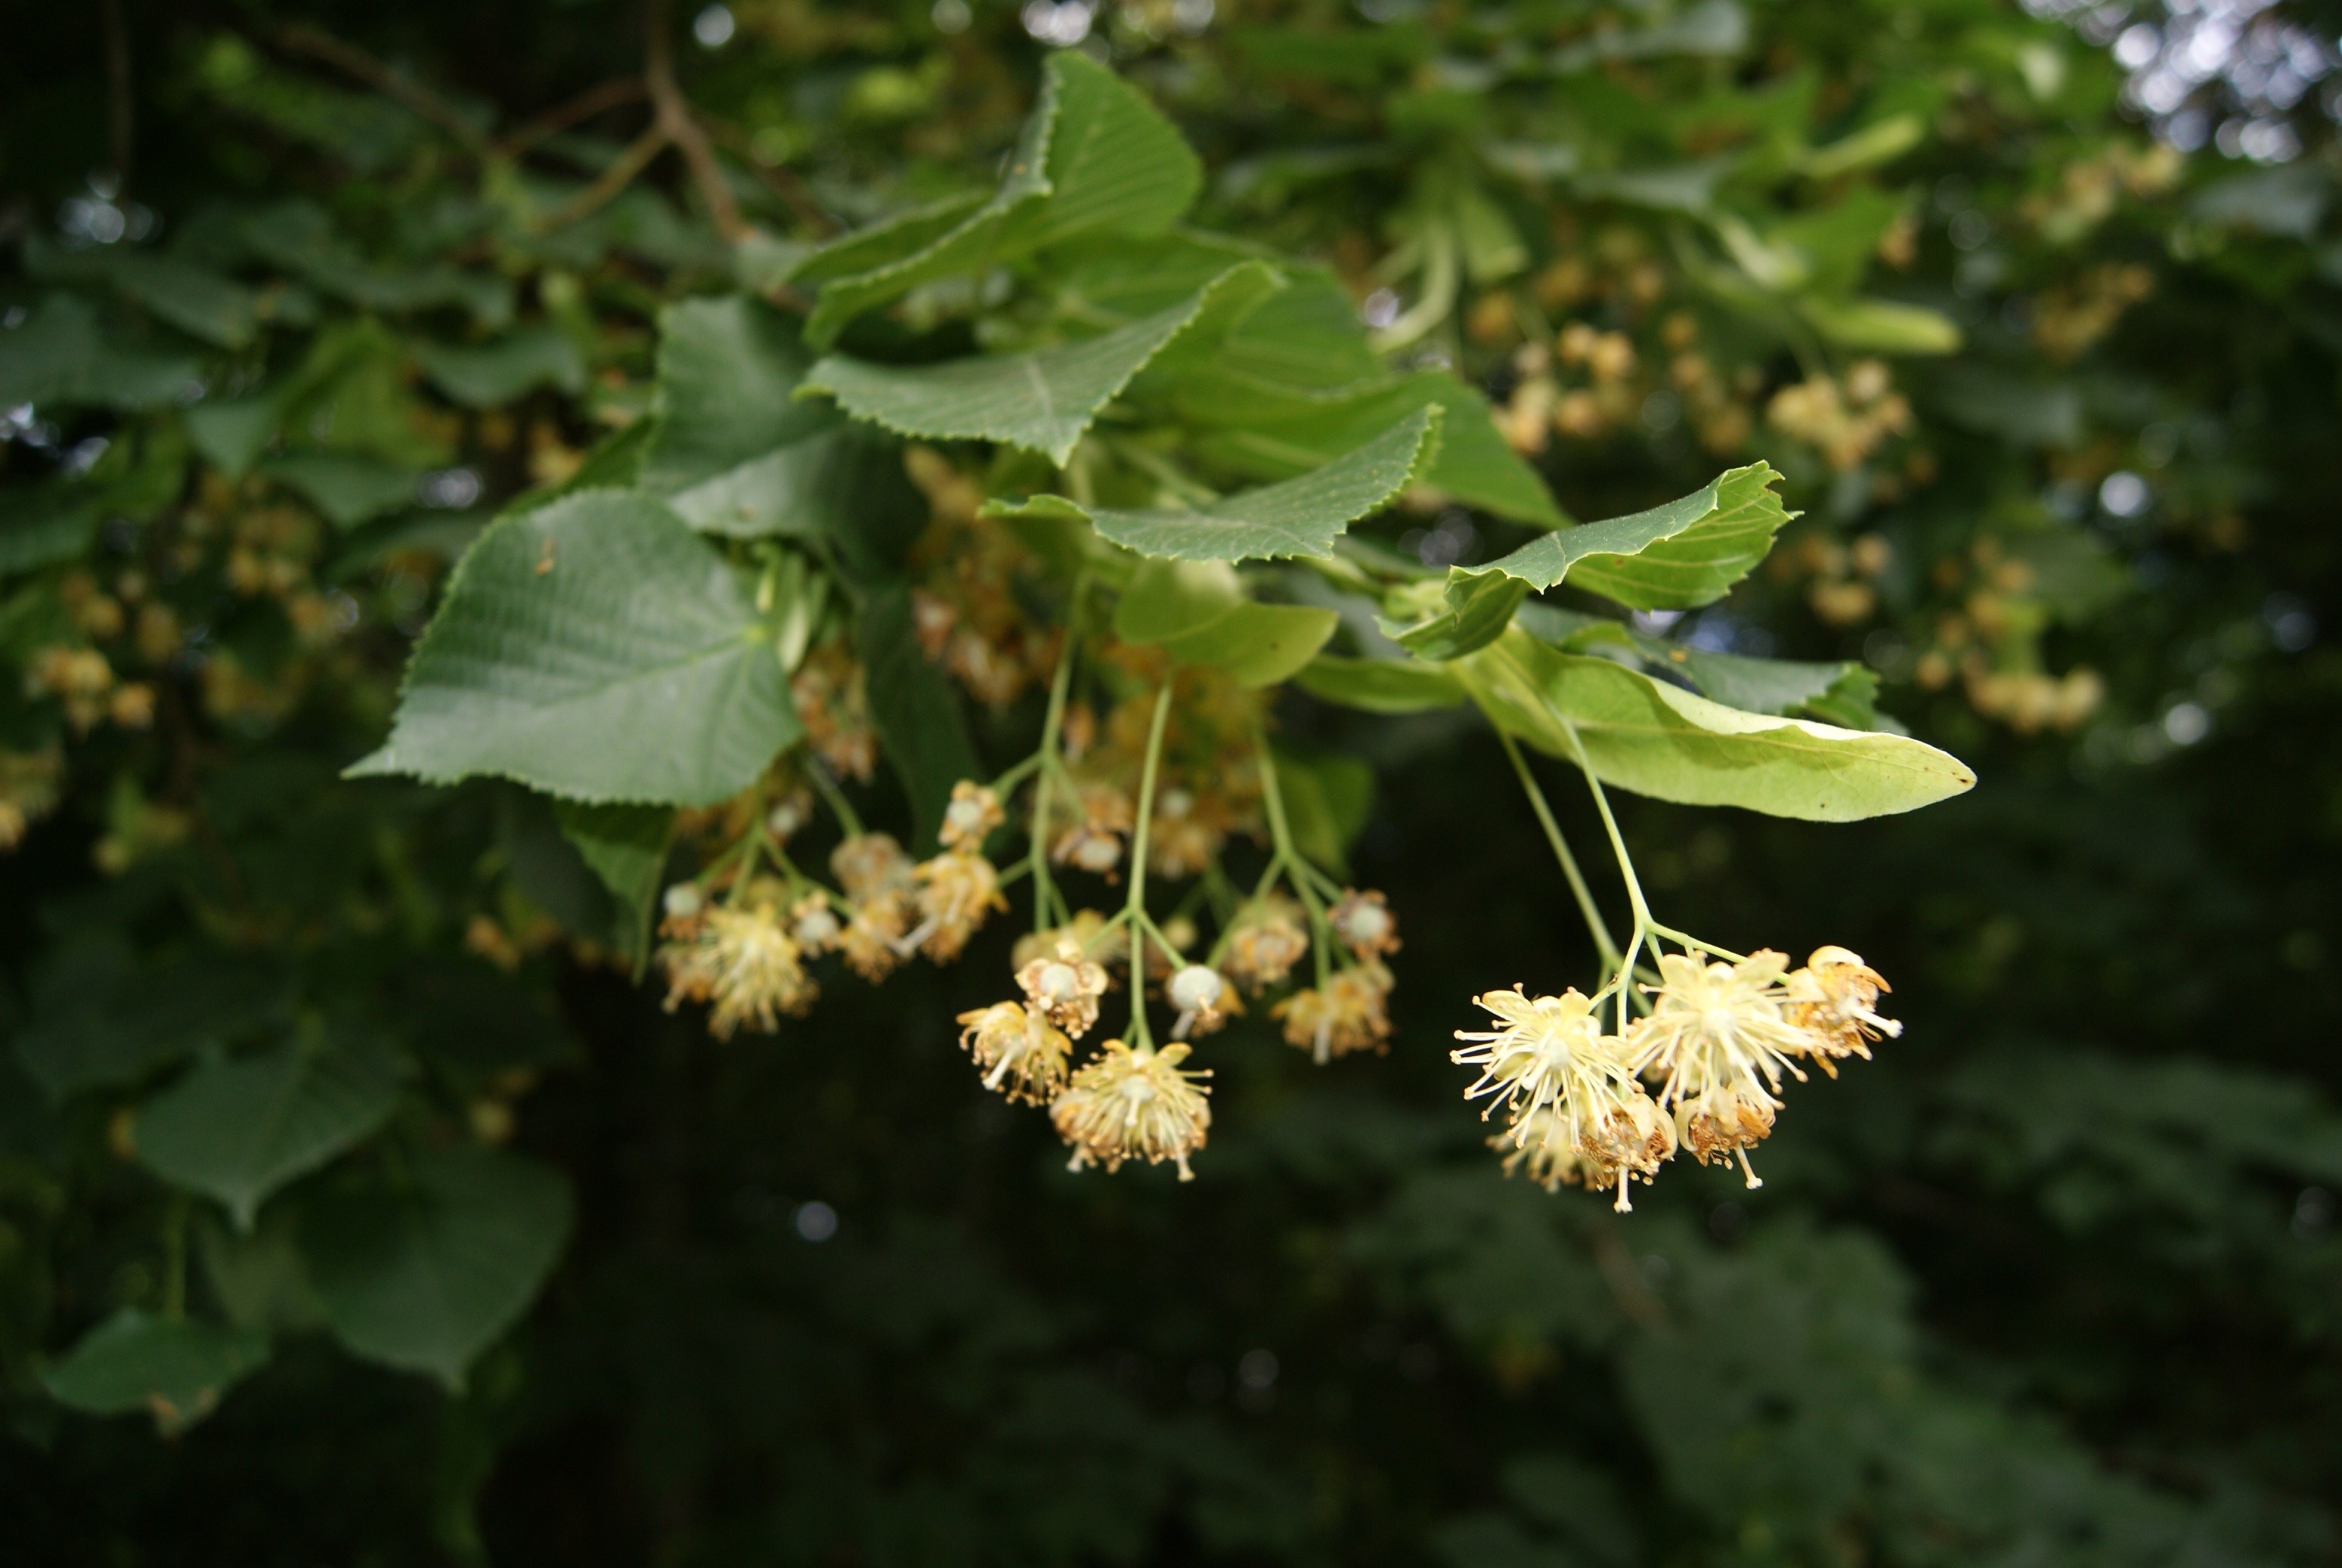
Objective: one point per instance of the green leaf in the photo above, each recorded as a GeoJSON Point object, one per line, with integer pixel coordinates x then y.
{"type": "Point", "coordinates": [199, 302]}
{"type": "Point", "coordinates": [916, 715]}
{"type": "Point", "coordinates": [43, 525]}
{"type": "Point", "coordinates": [1658, 740]}
{"type": "Point", "coordinates": [728, 372]}
{"type": "Point", "coordinates": [99, 1017]}
{"type": "Point", "coordinates": [57, 358]}
{"type": "Point", "coordinates": [737, 454]}
{"type": "Point", "coordinates": [491, 375]}
{"type": "Point", "coordinates": [1327, 797]}
{"type": "Point", "coordinates": [1881, 326]}
{"type": "Point", "coordinates": [258, 1279]}
{"type": "Point", "coordinates": [1302, 516]}
{"type": "Point", "coordinates": [892, 239]}
{"type": "Point", "coordinates": [1095, 157]}
{"type": "Point", "coordinates": [1271, 431]}
{"type": "Point", "coordinates": [425, 1274]}
{"type": "Point", "coordinates": [1197, 612]}
{"type": "Point", "coordinates": [626, 847]}
{"type": "Point", "coordinates": [177, 1368]}
{"type": "Point", "coordinates": [595, 648]}
{"type": "Point", "coordinates": [236, 1129]}
{"type": "Point", "coordinates": [298, 236]}
{"type": "Point", "coordinates": [230, 433]}
{"type": "Point", "coordinates": [1678, 556]}
{"type": "Point", "coordinates": [1381, 686]}
{"type": "Point", "coordinates": [1685, 553]}
{"type": "Point", "coordinates": [348, 487]}
{"type": "Point", "coordinates": [1042, 399]}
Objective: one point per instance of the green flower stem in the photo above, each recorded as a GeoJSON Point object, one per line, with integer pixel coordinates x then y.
{"type": "Point", "coordinates": [1135, 906]}
{"type": "Point", "coordinates": [722, 862]}
{"type": "Point", "coordinates": [1696, 945]}
{"type": "Point", "coordinates": [1015, 775]}
{"type": "Point", "coordinates": [1603, 943]}
{"type": "Point", "coordinates": [1036, 859]}
{"type": "Point", "coordinates": [1170, 949]}
{"type": "Point", "coordinates": [1644, 925]}
{"type": "Point", "coordinates": [834, 798]}
{"type": "Point", "coordinates": [1287, 859]}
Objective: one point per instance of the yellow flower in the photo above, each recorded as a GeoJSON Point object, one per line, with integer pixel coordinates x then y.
{"type": "Point", "coordinates": [1712, 1023]}
{"type": "Point", "coordinates": [1347, 1015]}
{"type": "Point", "coordinates": [1264, 941]}
{"type": "Point", "coordinates": [1134, 1105]}
{"type": "Point", "coordinates": [973, 812]}
{"type": "Point", "coordinates": [743, 961]}
{"type": "Point", "coordinates": [1577, 1114]}
{"type": "Point", "coordinates": [1542, 1150]}
{"type": "Point", "coordinates": [814, 925]}
{"type": "Point", "coordinates": [1065, 987]}
{"type": "Point", "coordinates": [1023, 1055]}
{"type": "Point", "coordinates": [1835, 999]}
{"type": "Point", "coordinates": [870, 863]}
{"type": "Point", "coordinates": [1718, 1041]}
{"type": "Point", "coordinates": [879, 885]}
{"type": "Point", "coordinates": [1363, 921]}
{"type": "Point", "coordinates": [872, 939]}
{"type": "Point", "coordinates": [956, 890]}
{"type": "Point", "coordinates": [1727, 1119]}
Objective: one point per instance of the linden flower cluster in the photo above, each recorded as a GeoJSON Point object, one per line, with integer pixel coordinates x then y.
{"type": "Point", "coordinates": [1129, 1102]}
{"type": "Point", "coordinates": [745, 956]}
{"type": "Point", "coordinates": [1701, 1071]}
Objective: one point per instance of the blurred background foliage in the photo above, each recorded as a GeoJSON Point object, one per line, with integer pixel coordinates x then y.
{"type": "Point", "coordinates": [2036, 309]}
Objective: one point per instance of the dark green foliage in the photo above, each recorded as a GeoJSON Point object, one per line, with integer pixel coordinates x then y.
{"type": "Point", "coordinates": [2054, 1280]}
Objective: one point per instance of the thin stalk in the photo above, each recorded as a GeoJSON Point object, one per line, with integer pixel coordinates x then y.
{"type": "Point", "coordinates": [1135, 906]}
{"type": "Point", "coordinates": [1052, 723]}
{"type": "Point", "coordinates": [1289, 859]}
{"type": "Point", "coordinates": [1602, 942]}
{"type": "Point", "coordinates": [834, 798]}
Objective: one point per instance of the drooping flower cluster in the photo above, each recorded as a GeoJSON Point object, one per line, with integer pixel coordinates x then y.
{"type": "Point", "coordinates": [741, 958]}
{"type": "Point", "coordinates": [1701, 1071]}
{"type": "Point", "coordinates": [745, 954]}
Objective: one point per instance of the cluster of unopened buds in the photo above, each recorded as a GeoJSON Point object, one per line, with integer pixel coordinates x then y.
{"type": "Point", "coordinates": [1701, 1069]}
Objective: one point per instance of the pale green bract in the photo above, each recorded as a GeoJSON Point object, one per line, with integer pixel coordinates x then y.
{"type": "Point", "coordinates": [598, 649]}
{"type": "Point", "coordinates": [1302, 516]}
{"type": "Point", "coordinates": [1658, 740]}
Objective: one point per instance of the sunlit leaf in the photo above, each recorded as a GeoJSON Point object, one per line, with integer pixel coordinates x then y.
{"type": "Point", "coordinates": [1659, 740]}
